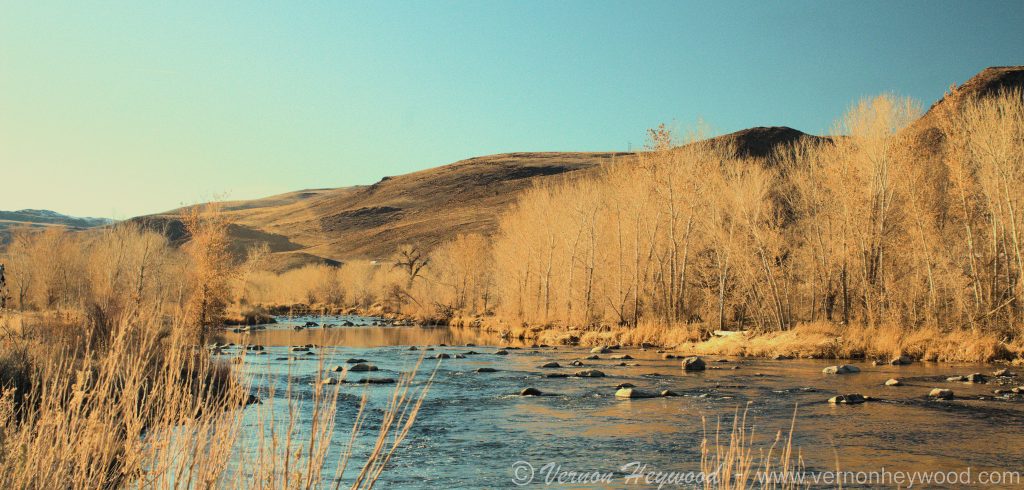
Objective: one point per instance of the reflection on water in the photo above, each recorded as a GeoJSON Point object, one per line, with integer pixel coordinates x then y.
{"type": "Point", "coordinates": [474, 426]}
{"type": "Point", "coordinates": [368, 336]}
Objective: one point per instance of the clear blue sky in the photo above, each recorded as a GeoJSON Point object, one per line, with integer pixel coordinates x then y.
{"type": "Point", "coordinates": [124, 108]}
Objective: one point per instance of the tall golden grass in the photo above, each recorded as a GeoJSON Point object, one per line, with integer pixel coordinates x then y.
{"type": "Point", "coordinates": [730, 459]}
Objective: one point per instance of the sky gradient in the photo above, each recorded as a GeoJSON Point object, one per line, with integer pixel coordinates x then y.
{"type": "Point", "coordinates": [117, 109]}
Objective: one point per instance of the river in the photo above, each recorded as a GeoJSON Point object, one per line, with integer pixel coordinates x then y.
{"type": "Point", "coordinates": [475, 431]}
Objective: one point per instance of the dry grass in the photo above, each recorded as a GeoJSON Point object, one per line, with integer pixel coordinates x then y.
{"type": "Point", "coordinates": [738, 464]}
{"type": "Point", "coordinates": [828, 341]}
{"type": "Point", "coordinates": [104, 381]}
{"type": "Point", "coordinates": [158, 413]}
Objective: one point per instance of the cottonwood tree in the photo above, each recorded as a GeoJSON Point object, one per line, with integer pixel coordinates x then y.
{"type": "Point", "coordinates": [462, 270]}
{"type": "Point", "coordinates": [211, 269]}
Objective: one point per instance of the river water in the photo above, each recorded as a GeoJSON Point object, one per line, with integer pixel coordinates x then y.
{"type": "Point", "coordinates": [475, 431]}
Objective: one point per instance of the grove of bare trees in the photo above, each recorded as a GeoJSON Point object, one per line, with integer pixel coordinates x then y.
{"type": "Point", "coordinates": [860, 229]}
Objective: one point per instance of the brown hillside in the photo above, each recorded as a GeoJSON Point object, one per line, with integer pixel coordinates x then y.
{"type": "Point", "coordinates": [431, 206]}
{"type": "Point", "coordinates": [425, 207]}
{"type": "Point", "coordinates": [761, 142]}
{"type": "Point", "coordinates": [926, 133]}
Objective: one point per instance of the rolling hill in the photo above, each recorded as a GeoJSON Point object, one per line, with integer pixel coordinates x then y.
{"type": "Point", "coordinates": [425, 207]}
{"type": "Point", "coordinates": [434, 205]}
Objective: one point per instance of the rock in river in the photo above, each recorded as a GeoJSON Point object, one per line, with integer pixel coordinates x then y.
{"type": "Point", "coordinates": [633, 393]}
{"type": "Point", "coordinates": [600, 350]}
{"type": "Point", "coordinates": [590, 373]}
{"type": "Point", "coordinates": [976, 378]}
{"type": "Point", "coordinates": [1003, 373]}
{"type": "Point", "coordinates": [551, 365]}
{"type": "Point", "coordinates": [622, 357]}
{"type": "Point", "coordinates": [530, 392]}
{"type": "Point", "coordinates": [841, 369]}
{"type": "Point", "coordinates": [848, 399]}
{"type": "Point", "coordinates": [362, 367]}
{"type": "Point", "coordinates": [486, 370]}
{"type": "Point", "coordinates": [893, 382]}
{"type": "Point", "coordinates": [693, 364]}
{"type": "Point", "coordinates": [355, 360]}
{"type": "Point", "coordinates": [941, 393]}
{"type": "Point", "coordinates": [501, 352]}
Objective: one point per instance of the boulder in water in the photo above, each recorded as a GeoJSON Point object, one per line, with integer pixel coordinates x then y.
{"type": "Point", "coordinates": [901, 360]}
{"type": "Point", "coordinates": [976, 378]}
{"type": "Point", "coordinates": [941, 394]}
{"type": "Point", "coordinates": [841, 369]}
{"type": "Point", "coordinates": [848, 399]}
{"type": "Point", "coordinates": [633, 393]}
{"type": "Point", "coordinates": [693, 364]}
{"type": "Point", "coordinates": [362, 367]}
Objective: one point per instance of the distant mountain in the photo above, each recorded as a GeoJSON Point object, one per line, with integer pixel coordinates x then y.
{"type": "Point", "coordinates": [46, 217]}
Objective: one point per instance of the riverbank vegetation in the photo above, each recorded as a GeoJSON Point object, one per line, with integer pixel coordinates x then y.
{"type": "Point", "coordinates": [866, 243]}
{"type": "Point", "coordinates": [105, 380]}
